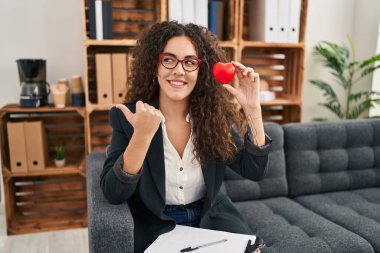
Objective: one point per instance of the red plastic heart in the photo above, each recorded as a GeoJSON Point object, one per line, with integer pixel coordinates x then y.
{"type": "Point", "coordinates": [224, 72]}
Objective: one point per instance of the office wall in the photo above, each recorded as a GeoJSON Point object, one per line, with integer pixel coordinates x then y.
{"type": "Point", "coordinates": [51, 30]}
{"type": "Point", "coordinates": [331, 21]}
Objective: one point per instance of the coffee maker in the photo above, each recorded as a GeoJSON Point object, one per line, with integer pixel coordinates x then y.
{"type": "Point", "coordinates": [34, 88]}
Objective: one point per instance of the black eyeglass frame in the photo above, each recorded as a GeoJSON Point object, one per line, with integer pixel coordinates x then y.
{"type": "Point", "coordinates": [199, 61]}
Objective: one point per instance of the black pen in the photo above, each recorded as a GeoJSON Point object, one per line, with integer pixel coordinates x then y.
{"type": "Point", "coordinates": [202, 246]}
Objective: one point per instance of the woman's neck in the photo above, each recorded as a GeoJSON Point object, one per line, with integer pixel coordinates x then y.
{"type": "Point", "coordinates": [174, 110]}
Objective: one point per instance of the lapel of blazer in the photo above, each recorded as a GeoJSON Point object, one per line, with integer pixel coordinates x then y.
{"type": "Point", "coordinates": [155, 157]}
{"type": "Point", "coordinates": [209, 176]}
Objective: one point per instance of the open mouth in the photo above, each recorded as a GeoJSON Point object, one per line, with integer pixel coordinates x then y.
{"type": "Point", "coordinates": [177, 84]}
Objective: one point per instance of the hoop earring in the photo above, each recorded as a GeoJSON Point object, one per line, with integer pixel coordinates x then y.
{"type": "Point", "coordinates": [155, 80]}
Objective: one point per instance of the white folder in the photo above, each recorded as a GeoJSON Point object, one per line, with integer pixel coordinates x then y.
{"type": "Point", "coordinates": [294, 21]}
{"type": "Point", "coordinates": [175, 10]}
{"type": "Point", "coordinates": [201, 12]}
{"type": "Point", "coordinates": [263, 24]}
{"type": "Point", "coordinates": [283, 20]}
{"type": "Point", "coordinates": [99, 19]}
{"type": "Point", "coordinates": [188, 11]}
{"type": "Point", "coordinates": [182, 237]}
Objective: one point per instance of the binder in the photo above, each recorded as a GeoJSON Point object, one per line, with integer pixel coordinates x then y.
{"type": "Point", "coordinates": [99, 19]}
{"type": "Point", "coordinates": [201, 12]}
{"type": "Point", "coordinates": [36, 148]}
{"type": "Point", "coordinates": [283, 20]}
{"type": "Point", "coordinates": [294, 21]}
{"type": "Point", "coordinates": [188, 11]}
{"type": "Point", "coordinates": [107, 19]}
{"type": "Point", "coordinates": [263, 20]}
{"type": "Point", "coordinates": [175, 10]}
{"type": "Point", "coordinates": [17, 149]}
{"type": "Point", "coordinates": [215, 18]}
{"type": "Point", "coordinates": [92, 18]}
{"type": "Point", "coordinates": [104, 78]}
{"type": "Point", "coordinates": [119, 77]}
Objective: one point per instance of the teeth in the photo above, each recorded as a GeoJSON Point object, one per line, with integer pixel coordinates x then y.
{"type": "Point", "coordinates": [177, 83]}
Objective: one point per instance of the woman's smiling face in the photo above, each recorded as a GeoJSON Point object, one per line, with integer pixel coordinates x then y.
{"type": "Point", "coordinates": [176, 83]}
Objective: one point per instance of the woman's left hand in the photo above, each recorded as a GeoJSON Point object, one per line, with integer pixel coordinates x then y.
{"type": "Point", "coordinates": [248, 92]}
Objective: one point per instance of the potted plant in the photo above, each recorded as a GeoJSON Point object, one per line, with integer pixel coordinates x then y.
{"type": "Point", "coordinates": [60, 160]}
{"type": "Point", "coordinates": [347, 73]}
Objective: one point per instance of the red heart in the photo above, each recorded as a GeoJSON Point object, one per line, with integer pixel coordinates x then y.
{"type": "Point", "coordinates": [224, 72]}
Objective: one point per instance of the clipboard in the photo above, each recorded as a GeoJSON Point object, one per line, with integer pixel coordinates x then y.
{"type": "Point", "coordinates": [182, 237]}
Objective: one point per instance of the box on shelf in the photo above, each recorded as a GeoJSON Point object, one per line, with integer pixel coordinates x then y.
{"type": "Point", "coordinates": [27, 146]}
{"type": "Point", "coordinates": [17, 148]}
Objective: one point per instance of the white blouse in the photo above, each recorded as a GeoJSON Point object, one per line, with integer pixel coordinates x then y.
{"type": "Point", "coordinates": [184, 181]}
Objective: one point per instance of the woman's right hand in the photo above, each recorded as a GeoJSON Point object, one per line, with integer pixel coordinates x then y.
{"type": "Point", "coordinates": [145, 121]}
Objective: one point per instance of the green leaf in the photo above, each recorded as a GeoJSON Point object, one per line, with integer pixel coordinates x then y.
{"type": "Point", "coordinates": [369, 70]}
{"type": "Point", "coordinates": [329, 92]}
{"type": "Point", "coordinates": [363, 94]}
{"type": "Point", "coordinates": [353, 64]}
{"type": "Point", "coordinates": [370, 61]}
{"type": "Point", "coordinates": [60, 154]}
{"type": "Point", "coordinates": [335, 108]}
{"type": "Point", "coordinates": [356, 111]}
{"type": "Point", "coordinates": [341, 80]}
{"type": "Point", "coordinates": [333, 56]}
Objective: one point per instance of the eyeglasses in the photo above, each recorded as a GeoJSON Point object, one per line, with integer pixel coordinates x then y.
{"type": "Point", "coordinates": [189, 64]}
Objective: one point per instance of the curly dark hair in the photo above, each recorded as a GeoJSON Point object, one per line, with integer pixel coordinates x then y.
{"type": "Point", "coordinates": [212, 109]}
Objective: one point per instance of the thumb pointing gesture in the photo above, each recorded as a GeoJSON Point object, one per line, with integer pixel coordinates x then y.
{"type": "Point", "coordinates": [145, 121]}
{"type": "Point", "coordinates": [127, 113]}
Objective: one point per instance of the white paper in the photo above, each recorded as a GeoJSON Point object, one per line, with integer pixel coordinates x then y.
{"type": "Point", "coordinates": [182, 237]}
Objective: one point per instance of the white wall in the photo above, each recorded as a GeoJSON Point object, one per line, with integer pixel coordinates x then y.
{"type": "Point", "coordinates": [376, 79]}
{"type": "Point", "coordinates": [46, 29]}
{"type": "Point", "coordinates": [331, 21]}
{"type": "Point", "coordinates": [51, 30]}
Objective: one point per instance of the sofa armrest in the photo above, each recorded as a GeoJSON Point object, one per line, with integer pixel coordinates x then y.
{"type": "Point", "coordinates": [110, 227]}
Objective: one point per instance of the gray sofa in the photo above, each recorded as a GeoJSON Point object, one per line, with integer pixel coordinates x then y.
{"type": "Point", "coordinates": [321, 193]}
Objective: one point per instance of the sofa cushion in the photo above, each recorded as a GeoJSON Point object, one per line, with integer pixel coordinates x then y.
{"type": "Point", "coordinates": [332, 156]}
{"type": "Point", "coordinates": [106, 221]}
{"type": "Point", "coordinates": [287, 226]}
{"type": "Point", "coordinates": [358, 211]}
{"type": "Point", "coordinates": [274, 183]}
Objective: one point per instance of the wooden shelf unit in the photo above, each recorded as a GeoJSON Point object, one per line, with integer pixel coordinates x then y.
{"type": "Point", "coordinates": [55, 198]}
{"type": "Point", "coordinates": [37, 201]}
{"type": "Point", "coordinates": [281, 64]}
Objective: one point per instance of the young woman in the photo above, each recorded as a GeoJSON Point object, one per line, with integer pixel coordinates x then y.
{"type": "Point", "coordinates": [174, 138]}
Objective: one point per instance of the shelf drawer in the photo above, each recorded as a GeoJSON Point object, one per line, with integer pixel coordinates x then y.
{"type": "Point", "coordinates": [43, 203]}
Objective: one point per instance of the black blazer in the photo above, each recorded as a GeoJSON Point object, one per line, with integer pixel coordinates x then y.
{"type": "Point", "coordinates": [145, 192]}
